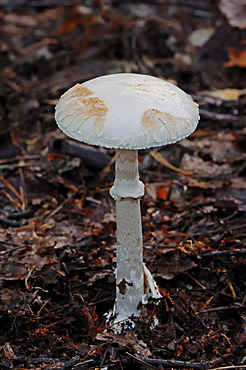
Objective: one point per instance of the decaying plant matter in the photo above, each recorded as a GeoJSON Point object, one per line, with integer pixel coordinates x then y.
{"type": "Point", "coordinates": [57, 220]}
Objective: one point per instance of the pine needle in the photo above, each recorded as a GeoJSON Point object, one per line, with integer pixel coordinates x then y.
{"type": "Point", "coordinates": [159, 158]}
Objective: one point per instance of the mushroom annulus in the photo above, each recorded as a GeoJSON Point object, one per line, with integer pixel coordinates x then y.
{"type": "Point", "coordinates": [128, 112]}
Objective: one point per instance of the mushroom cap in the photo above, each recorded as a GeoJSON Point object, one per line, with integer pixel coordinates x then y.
{"type": "Point", "coordinates": [126, 111]}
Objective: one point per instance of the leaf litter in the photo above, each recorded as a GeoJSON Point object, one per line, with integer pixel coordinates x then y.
{"type": "Point", "coordinates": [57, 221]}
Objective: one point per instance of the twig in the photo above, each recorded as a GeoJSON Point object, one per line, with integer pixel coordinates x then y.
{"type": "Point", "coordinates": [20, 158]}
{"type": "Point", "coordinates": [57, 209]}
{"type": "Point", "coordinates": [217, 116]}
{"type": "Point", "coordinates": [104, 356]}
{"type": "Point", "coordinates": [14, 247]}
{"type": "Point", "coordinates": [67, 364]}
{"type": "Point", "coordinates": [231, 252]}
{"type": "Point", "coordinates": [222, 308]}
{"type": "Point", "coordinates": [173, 363]}
{"type": "Point", "coordinates": [181, 364]}
{"type": "Point", "coordinates": [92, 156]}
{"type": "Point", "coordinates": [229, 367]}
{"type": "Point", "coordinates": [23, 192]}
{"type": "Point", "coordinates": [142, 362]}
{"type": "Point", "coordinates": [11, 188]}
{"type": "Point", "coordinates": [83, 363]}
{"type": "Point", "coordinates": [27, 277]}
{"type": "Point", "coordinates": [45, 3]}
{"type": "Point", "coordinates": [21, 214]}
{"type": "Point", "coordinates": [42, 307]}
{"type": "Point", "coordinates": [56, 323]}
{"type": "Point", "coordinates": [116, 323]}
{"type": "Point", "coordinates": [11, 223]}
{"type": "Point", "coordinates": [102, 300]}
{"type": "Point", "coordinates": [12, 200]}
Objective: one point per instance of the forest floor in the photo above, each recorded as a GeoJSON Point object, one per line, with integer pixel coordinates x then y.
{"type": "Point", "coordinates": [57, 220]}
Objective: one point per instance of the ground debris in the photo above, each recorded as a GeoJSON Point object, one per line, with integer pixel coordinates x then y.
{"type": "Point", "coordinates": [57, 220]}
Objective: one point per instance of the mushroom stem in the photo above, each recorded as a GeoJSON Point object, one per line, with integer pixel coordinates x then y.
{"type": "Point", "coordinates": [129, 270]}
{"type": "Point", "coordinates": [126, 183]}
{"type": "Point", "coordinates": [134, 283]}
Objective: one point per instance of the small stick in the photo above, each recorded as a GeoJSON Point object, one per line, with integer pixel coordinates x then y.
{"type": "Point", "coordinates": [18, 165]}
{"type": "Point", "coordinates": [217, 116]}
{"type": "Point", "coordinates": [13, 249]}
{"type": "Point", "coordinates": [102, 300]}
{"type": "Point", "coordinates": [11, 188]}
{"type": "Point", "coordinates": [115, 323]}
{"type": "Point", "coordinates": [174, 364]}
{"type": "Point", "coordinates": [44, 360]}
{"type": "Point", "coordinates": [12, 200]}
{"type": "Point", "coordinates": [20, 158]}
{"type": "Point", "coordinates": [11, 223]}
{"type": "Point", "coordinates": [231, 252]}
{"type": "Point", "coordinates": [23, 192]}
{"type": "Point", "coordinates": [57, 209]}
{"type": "Point", "coordinates": [229, 367]}
{"type": "Point", "coordinates": [142, 362]}
{"type": "Point", "coordinates": [222, 308]}
{"type": "Point", "coordinates": [21, 214]}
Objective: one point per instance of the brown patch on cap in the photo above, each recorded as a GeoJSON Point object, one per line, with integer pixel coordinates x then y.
{"type": "Point", "coordinates": [153, 121]}
{"type": "Point", "coordinates": [94, 106]}
{"type": "Point", "coordinates": [75, 112]}
{"type": "Point", "coordinates": [76, 91]}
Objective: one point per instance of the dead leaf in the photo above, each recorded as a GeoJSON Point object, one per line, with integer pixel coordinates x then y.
{"type": "Point", "coordinates": [8, 148]}
{"type": "Point", "coordinates": [221, 147]}
{"type": "Point", "coordinates": [238, 183]}
{"type": "Point", "coordinates": [13, 271]}
{"type": "Point", "coordinates": [162, 193]}
{"type": "Point", "coordinates": [205, 169]}
{"type": "Point", "coordinates": [226, 94]}
{"type": "Point", "coordinates": [172, 264]}
{"type": "Point", "coordinates": [159, 158]}
{"type": "Point", "coordinates": [200, 36]}
{"type": "Point", "coordinates": [130, 340]}
{"type": "Point", "coordinates": [7, 352]}
{"type": "Point", "coordinates": [234, 199]}
{"type": "Point", "coordinates": [235, 12]}
{"type": "Point", "coordinates": [224, 151]}
{"type": "Point", "coordinates": [157, 190]}
{"type": "Point", "coordinates": [99, 275]}
{"type": "Point", "coordinates": [78, 16]}
{"type": "Point", "coordinates": [241, 336]}
{"type": "Point", "coordinates": [237, 58]}
{"type": "Point", "coordinates": [195, 183]}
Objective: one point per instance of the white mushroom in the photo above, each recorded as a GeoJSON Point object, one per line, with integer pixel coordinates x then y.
{"type": "Point", "coordinates": [128, 112]}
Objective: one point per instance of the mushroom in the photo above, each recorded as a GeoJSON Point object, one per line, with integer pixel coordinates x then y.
{"type": "Point", "coordinates": [127, 112]}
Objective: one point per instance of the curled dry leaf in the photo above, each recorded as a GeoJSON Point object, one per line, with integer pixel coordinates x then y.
{"type": "Point", "coordinates": [200, 36]}
{"type": "Point", "coordinates": [235, 12]}
{"type": "Point", "coordinates": [224, 151]}
{"type": "Point", "coordinates": [159, 158]}
{"type": "Point", "coordinates": [205, 169]}
{"type": "Point", "coordinates": [226, 94]}
{"type": "Point", "coordinates": [172, 264]}
{"type": "Point", "coordinates": [7, 352]}
{"type": "Point", "coordinates": [234, 199]}
{"type": "Point", "coordinates": [237, 58]}
{"type": "Point", "coordinates": [131, 340]}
